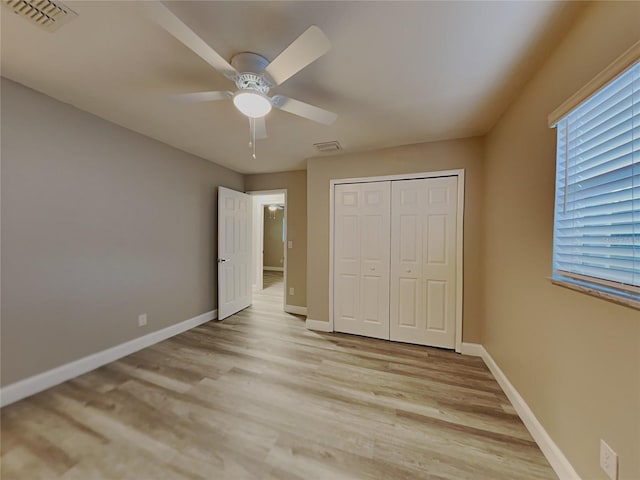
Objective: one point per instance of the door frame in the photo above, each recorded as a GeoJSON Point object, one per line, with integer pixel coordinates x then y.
{"type": "Point", "coordinates": [459, 236]}
{"type": "Point", "coordinates": [260, 236]}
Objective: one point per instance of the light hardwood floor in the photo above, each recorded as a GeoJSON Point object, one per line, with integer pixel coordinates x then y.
{"type": "Point", "coordinates": [273, 284]}
{"type": "Point", "coordinates": [259, 396]}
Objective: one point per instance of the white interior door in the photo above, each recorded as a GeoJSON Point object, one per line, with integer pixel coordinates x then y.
{"type": "Point", "coordinates": [423, 261]}
{"type": "Point", "coordinates": [361, 277]}
{"type": "Point", "coordinates": [234, 252]}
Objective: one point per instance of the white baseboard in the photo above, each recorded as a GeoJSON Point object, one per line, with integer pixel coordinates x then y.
{"type": "Point", "coordinates": [472, 349]}
{"type": "Point", "coordinates": [551, 451]}
{"type": "Point", "coordinates": [37, 383]}
{"type": "Point", "coordinates": [296, 310]}
{"type": "Point", "coordinates": [273, 269]}
{"type": "Point", "coordinates": [318, 325]}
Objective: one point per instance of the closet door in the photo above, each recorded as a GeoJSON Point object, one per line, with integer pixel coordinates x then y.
{"type": "Point", "coordinates": [361, 259]}
{"type": "Point", "coordinates": [423, 261]}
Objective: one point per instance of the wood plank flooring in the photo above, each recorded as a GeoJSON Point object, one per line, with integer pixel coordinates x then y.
{"type": "Point", "coordinates": [258, 396]}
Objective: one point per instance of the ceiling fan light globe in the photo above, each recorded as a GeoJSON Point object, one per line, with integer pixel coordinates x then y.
{"type": "Point", "coordinates": [251, 103]}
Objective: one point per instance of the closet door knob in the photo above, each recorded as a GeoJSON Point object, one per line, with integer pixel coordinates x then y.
{"type": "Point", "coordinates": [408, 270]}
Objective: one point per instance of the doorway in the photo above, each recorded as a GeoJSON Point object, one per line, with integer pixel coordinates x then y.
{"type": "Point", "coordinates": [269, 252]}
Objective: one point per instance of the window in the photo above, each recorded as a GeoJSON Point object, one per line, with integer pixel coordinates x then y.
{"type": "Point", "coordinates": [597, 205]}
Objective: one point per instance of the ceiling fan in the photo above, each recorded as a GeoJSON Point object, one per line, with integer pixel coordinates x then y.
{"type": "Point", "coordinates": [273, 208]}
{"type": "Point", "coordinates": [253, 74]}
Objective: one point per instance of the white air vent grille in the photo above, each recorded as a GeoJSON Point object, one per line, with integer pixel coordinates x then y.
{"type": "Point", "coordinates": [46, 14]}
{"type": "Point", "coordinates": [327, 147]}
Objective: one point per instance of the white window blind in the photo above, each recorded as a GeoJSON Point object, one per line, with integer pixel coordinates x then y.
{"type": "Point", "coordinates": [597, 208]}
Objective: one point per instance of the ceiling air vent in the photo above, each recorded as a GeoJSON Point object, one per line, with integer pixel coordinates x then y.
{"type": "Point", "coordinates": [45, 14]}
{"type": "Point", "coordinates": [327, 147]}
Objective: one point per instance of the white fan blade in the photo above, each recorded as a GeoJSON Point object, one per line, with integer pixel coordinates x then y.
{"type": "Point", "coordinates": [309, 46]}
{"type": "Point", "coordinates": [172, 24]}
{"type": "Point", "coordinates": [200, 96]}
{"type": "Point", "coordinates": [302, 109]}
{"type": "Point", "coordinates": [261, 128]}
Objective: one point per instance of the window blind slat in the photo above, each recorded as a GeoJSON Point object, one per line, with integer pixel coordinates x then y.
{"type": "Point", "coordinates": [602, 199]}
{"type": "Point", "coordinates": [589, 170]}
{"type": "Point", "coordinates": [590, 139]}
{"type": "Point", "coordinates": [616, 109]}
{"type": "Point", "coordinates": [589, 221]}
{"type": "Point", "coordinates": [598, 160]}
{"type": "Point", "coordinates": [581, 182]}
{"type": "Point", "coordinates": [591, 240]}
{"type": "Point", "coordinates": [599, 103]}
{"type": "Point", "coordinates": [621, 252]}
{"type": "Point", "coordinates": [613, 274]}
{"type": "Point", "coordinates": [619, 145]}
{"type": "Point", "coordinates": [619, 229]}
{"type": "Point", "coordinates": [602, 209]}
{"type": "Point", "coordinates": [614, 185]}
{"type": "Point", "coordinates": [614, 115]}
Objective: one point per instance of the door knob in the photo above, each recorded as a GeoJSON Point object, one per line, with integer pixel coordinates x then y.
{"type": "Point", "coordinates": [222, 260]}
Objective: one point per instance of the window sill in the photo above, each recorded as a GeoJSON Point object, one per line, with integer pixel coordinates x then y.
{"type": "Point", "coordinates": [594, 292]}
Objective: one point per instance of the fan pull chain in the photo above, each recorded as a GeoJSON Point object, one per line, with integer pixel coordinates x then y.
{"type": "Point", "coordinates": [252, 136]}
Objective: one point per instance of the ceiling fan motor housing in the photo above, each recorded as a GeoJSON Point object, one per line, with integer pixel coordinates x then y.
{"type": "Point", "coordinates": [252, 81]}
{"type": "Point", "coordinates": [251, 65]}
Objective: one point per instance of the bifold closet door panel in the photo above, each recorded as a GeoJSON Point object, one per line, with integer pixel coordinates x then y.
{"type": "Point", "coordinates": [423, 261]}
{"type": "Point", "coordinates": [361, 259]}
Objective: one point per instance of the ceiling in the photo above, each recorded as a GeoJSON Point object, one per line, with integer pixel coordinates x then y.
{"type": "Point", "coordinates": [397, 73]}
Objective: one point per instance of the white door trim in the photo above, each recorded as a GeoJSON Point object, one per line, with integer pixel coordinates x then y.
{"type": "Point", "coordinates": [261, 237]}
{"type": "Point", "coordinates": [459, 243]}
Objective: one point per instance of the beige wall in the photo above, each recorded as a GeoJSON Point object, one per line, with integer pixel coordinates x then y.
{"type": "Point", "coordinates": [99, 225]}
{"type": "Point", "coordinates": [575, 359]}
{"type": "Point", "coordinates": [273, 246]}
{"type": "Point", "coordinates": [426, 157]}
{"type": "Point", "coordinates": [296, 185]}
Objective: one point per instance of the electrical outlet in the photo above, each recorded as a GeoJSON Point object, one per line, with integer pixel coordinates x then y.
{"type": "Point", "coordinates": [608, 460]}
{"type": "Point", "coordinates": [142, 320]}
{"type": "Point", "coordinates": [291, 291]}
{"type": "Point", "coordinates": [290, 244]}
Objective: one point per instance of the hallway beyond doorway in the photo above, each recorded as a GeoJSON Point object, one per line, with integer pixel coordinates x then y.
{"type": "Point", "coordinates": [273, 292]}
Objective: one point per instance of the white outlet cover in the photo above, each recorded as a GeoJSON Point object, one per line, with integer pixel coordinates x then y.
{"type": "Point", "coordinates": [291, 290]}
{"type": "Point", "coordinates": [290, 244]}
{"type": "Point", "coordinates": [608, 460]}
{"type": "Point", "coordinates": [142, 320]}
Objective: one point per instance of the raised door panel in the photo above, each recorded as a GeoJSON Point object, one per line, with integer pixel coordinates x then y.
{"type": "Point", "coordinates": [349, 287]}
{"type": "Point", "coordinates": [436, 305]}
{"type": "Point", "coordinates": [228, 273]}
{"type": "Point", "coordinates": [436, 239]}
{"type": "Point", "coordinates": [407, 302]}
{"type": "Point", "coordinates": [373, 269]}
